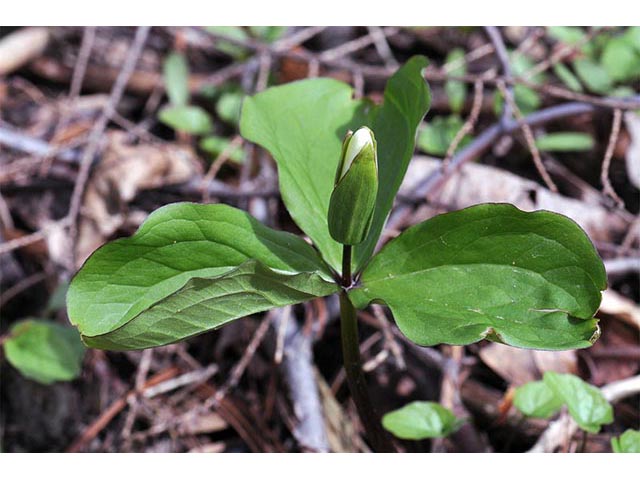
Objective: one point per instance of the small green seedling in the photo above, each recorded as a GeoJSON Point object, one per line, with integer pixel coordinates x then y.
{"type": "Point", "coordinates": [530, 280]}
{"type": "Point", "coordinates": [185, 117]}
{"type": "Point", "coordinates": [628, 442]}
{"type": "Point", "coordinates": [585, 403]}
{"type": "Point", "coordinates": [44, 351]}
{"type": "Point", "coordinates": [421, 420]}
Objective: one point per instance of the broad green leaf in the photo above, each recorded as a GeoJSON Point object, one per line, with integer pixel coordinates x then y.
{"type": "Point", "coordinates": [593, 75]}
{"type": "Point", "coordinates": [632, 36]}
{"type": "Point", "coordinates": [565, 142]}
{"type": "Point", "coordinates": [628, 442]}
{"type": "Point", "coordinates": [456, 90]}
{"type": "Point", "coordinates": [406, 101]}
{"type": "Point", "coordinates": [531, 280]}
{"type": "Point", "coordinates": [176, 79]}
{"type": "Point", "coordinates": [420, 420]}
{"type": "Point", "coordinates": [44, 351]}
{"type": "Point", "coordinates": [216, 145]}
{"type": "Point", "coordinates": [182, 253]}
{"type": "Point", "coordinates": [204, 304]}
{"type": "Point", "coordinates": [620, 60]}
{"type": "Point", "coordinates": [567, 77]}
{"type": "Point", "coordinates": [436, 136]}
{"type": "Point", "coordinates": [302, 124]}
{"type": "Point", "coordinates": [228, 107]}
{"type": "Point", "coordinates": [586, 404]}
{"type": "Point", "coordinates": [186, 118]}
{"type": "Point", "coordinates": [536, 399]}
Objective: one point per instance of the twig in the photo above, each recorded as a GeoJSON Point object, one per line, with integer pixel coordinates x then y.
{"type": "Point", "coordinates": [554, 435]}
{"type": "Point", "coordinates": [283, 322]}
{"type": "Point", "coordinates": [606, 162]}
{"type": "Point", "coordinates": [101, 124]}
{"type": "Point", "coordinates": [503, 57]}
{"type": "Point", "coordinates": [20, 287]}
{"type": "Point", "coordinates": [297, 368]}
{"type": "Point", "coordinates": [190, 378]}
{"type": "Point", "coordinates": [382, 46]}
{"type": "Point", "coordinates": [468, 125]}
{"type": "Point", "coordinates": [239, 369]}
{"type": "Point", "coordinates": [354, 45]}
{"type": "Point", "coordinates": [20, 242]}
{"type": "Point", "coordinates": [484, 141]}
{"type": "Point", "coordinates": [528, 135]}
{"type": "Point", "coordinates": [621, 266]}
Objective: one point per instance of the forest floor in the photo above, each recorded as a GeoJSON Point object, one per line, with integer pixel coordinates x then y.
{"type": "Point", "coordinates": [85, 157]}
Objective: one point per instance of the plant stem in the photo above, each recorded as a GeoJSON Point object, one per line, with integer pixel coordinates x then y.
{"type": "Point", "coordinates": [379, 439]}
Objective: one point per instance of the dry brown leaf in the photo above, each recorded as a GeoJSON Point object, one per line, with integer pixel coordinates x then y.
{"type": "Point", "coordinates": [123, 172]}
{"type": "Point", "coordinates": [476, 183]}
{"type": "Point", "coordinates": [519, 366]}
{"type": "Point", "coordinates": [22, 46]}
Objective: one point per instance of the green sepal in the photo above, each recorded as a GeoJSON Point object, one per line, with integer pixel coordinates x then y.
{"type": "Point", "coordinates": [353, 200]}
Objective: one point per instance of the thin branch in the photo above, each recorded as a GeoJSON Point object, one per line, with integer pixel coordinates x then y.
{"type": "Point", "coordinates": [606, 162]}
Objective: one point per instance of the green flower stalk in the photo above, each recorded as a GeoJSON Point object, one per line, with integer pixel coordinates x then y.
{"type": "Point", "coordinates": [353, 199]}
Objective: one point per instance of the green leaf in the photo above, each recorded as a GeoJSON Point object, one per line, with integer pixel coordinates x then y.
{"type": "Point", "coordinates": [436, 136]}
{"type": "Point", "coordinates": [456, 90]}
{"type": "Point", "coordinates": [176, 78]}
{"type": "Point", "coordinates": [269, 34]}
{"type": "Point", "coordinates": [593, 75]}
{"type": "Point", "coordinates": [216, 145]}
{"type": "Point", "coordinates": [632, 37]}
{"type": "Point", "coordinates": [188, 269]}
{"type": "Point", "coordinates": [536, 399]}
{"type": "Point", "coordinates": [406, 101]}
{"type": "Point", "coordinates": [420, 420]}
{"type": "Point", "coordinates": [586, 404]}
{"type": "Point", "coordinates": [628, 442]}
{"type": "Point", "coordinates": [567, 77]}
{"type": "Point", "coordinates": [565, 142]}
{"type": "Point", "coordinates": [620, 60]}
{"type": "Point", "coordinates": [230, 48]}
{"type": "Point", "coordinates": [531, 280]}
{"type": "Point", "coordinates": [302, 125]}
{"type": "Point", "coordinates": [567, 35]}
{"type": "Point", "coordinates": [186, 118]}
{"type": "Point", "coordinates": [228, 107]}
{"type": "Point", "coordinates": [44, 351]}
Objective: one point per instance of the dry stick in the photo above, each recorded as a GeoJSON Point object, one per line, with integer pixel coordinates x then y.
{"type": "Point", "coordinates": [299, 372]}
{"type": "Point", "coordinates": [283, 322]}
{"type": "Point", "coordinates": [241, 366]}
{"type": "Point", "coordinates": [217, 164]}
{"type": "Point", "coordinates": [354, 45]}
{"type": "Point", "coordinates": [11, 245]}
{"type": "Point", "coordinates": [382, 46]}
{"type": "Point", "coordinates": [114, 409]}
{"type": "Point", "coordinates": [554, 435]}
{"type": "Point", "coordinates": [468, 126]}
{"type": "Point", "coordinates": [141, 377]}
{"type": "Point", "coordinates": [560, 54]}
{"type": "Point", "coordinates": [20, 287]}
{"type": "Point", "coordinates": [528, 135]}
{"type": "Point", "coordinates": [487, 138]}
{"type": "Point", "coordinates": [503, 58]}
{"type": "Point", "coordinates": [606, 163]}
{"type": "Point", "coordinates": [297, 38]}
{"type": "Point", "coordinates": [101, 124]}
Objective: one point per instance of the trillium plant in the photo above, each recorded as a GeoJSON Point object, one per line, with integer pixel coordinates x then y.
{"type": "Point", "coordinates": [526, 279]}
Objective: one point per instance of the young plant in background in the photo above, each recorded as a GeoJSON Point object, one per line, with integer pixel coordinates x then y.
{"type": "Point", "coordinates": [44, 351]}
{"type": "Point", "coordinates": [531, 280]}
{"type": "Point", "coordinates": [628, 442]}
{"type": "Point", "coordinates": [585, 403]}
{"type": "Point", "coordinates": [421, 420]}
